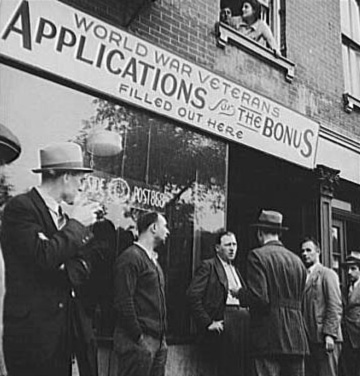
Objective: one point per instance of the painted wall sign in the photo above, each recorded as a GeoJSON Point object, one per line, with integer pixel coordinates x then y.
{"type": "Point", "coordinates": [59, 39]}
{"type": "Point", "coordinates": [109, 190]}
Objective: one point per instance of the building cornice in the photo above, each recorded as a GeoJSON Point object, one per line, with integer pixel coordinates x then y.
{"type": "Point", "coordinates": [340, 139]}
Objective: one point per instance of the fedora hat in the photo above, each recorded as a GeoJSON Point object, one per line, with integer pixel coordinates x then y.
{"type": "Point", "coordinates": [270, 219]}
{"type": "Point", "coordinates": [62, 156]}
{"type": "Point", "coordinates": [10, 147]}
{"type": "Point", "coordinates": [352, 259]}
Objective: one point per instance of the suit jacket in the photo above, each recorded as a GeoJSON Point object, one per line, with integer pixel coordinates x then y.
{"type": "Point", "coordinates": [276, 283]}
{"type": "Point", "coordinates": [208, 291]}
{"type": "Point", "coordinates": [322, 306]}
{"type": "Point", "coordinates": [39, 308]}
{"type": "Point", "coordinates": [352, 317]}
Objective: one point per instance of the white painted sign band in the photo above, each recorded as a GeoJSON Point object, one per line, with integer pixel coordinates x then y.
{"type": "Point", "coordinates": [56, 38]}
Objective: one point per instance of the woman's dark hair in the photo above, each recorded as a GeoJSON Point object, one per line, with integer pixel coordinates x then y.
{"type": "Point", "coordinates": [255, 5]}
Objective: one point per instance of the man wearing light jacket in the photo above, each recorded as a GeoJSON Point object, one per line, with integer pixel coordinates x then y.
{"type": "Point", "coordinates": [322, 308]}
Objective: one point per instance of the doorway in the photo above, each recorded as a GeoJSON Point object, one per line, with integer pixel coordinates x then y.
{"type": "Point", "coordinates": [259, 181]}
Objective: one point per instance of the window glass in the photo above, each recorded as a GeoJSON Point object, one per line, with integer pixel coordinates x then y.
{"type": "Point", "coordinates": [336, 260]}
{"type": "Point", "coordinates": [355, 20]}
{"type": "Point", "coordinates": [346, 66]}
{"type": "Point", "coordinates": [151, 163]}
{"type": "Point", "coordinates": [354, 72]}
{"type": "Point", "coordinates": [345, 17]}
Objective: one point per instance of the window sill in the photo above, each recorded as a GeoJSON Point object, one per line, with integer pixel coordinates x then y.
{"type": "Point", "coordinates": [226, 34]}
{"type": "Point", "coordinates": [350, 102]}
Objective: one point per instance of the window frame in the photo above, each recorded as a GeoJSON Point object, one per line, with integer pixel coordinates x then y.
{"type": "Point", "coordinates": [350, 38]}
{"type": "Point", "coordinates": [226, 34]}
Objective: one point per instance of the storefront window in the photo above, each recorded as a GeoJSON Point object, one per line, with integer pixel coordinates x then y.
{"type": "Point", "coordinates": [151, 164]}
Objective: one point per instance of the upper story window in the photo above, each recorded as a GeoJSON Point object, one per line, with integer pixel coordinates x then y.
{"type": "Point", "coordinates": [271, 13]}
{"type": "Point", "coordinates": [350, 29]}
{"type": "Point", "coordinates": [261, 33]}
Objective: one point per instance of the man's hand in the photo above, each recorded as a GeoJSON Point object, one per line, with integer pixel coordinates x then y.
{"type": "Point", "coordinates": [329, 344]}
{"type": "Point", "coordinates": [217, 326]}
{"type": "Point", "coordinates": [85, 213]}
{"type": "Point", "coordinates": [276, 52]}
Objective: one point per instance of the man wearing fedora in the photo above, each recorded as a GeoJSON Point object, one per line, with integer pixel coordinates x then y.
{"type": "Point", "coordinates": [47, 255]}
{"type": "Point", "coordinates": [322, 311]}
{"type": "Point", "coordinates": [350, 356]}
{"type": "Point", "coordinates": [276, 282]}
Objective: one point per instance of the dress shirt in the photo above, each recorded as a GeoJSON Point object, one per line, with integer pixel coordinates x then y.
{"type": "Point", "coordinates": [233, 282]}
{"type": "Point", "coordinates": [353, 285]}
{"type": "Point", "coordinates": [53, 207]}
{"type": "Point", "coordinates": [258, 31]}
{"type": "Point", "coordinates": [309, 270]}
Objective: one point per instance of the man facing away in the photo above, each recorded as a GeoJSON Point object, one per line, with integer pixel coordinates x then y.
{"type": "Point", "coordinates": [350, 355]}
{"type": "Point", "coordinates": [139, 337]}
{"type": "Point", "coordinates": [322, 309]}
{"type": "Point", "coordinates": [222, 323]}
{"type": "Point", "coordinates": [276, 282]}
{"type": "Point", "coordinates": [45, 253]}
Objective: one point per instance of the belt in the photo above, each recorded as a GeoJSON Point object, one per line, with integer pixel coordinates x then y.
{"type": "Point", "coordinates": [233, 306]}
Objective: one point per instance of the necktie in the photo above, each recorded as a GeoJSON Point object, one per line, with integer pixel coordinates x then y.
{"type": "Point", "coordinates": [61, 219]}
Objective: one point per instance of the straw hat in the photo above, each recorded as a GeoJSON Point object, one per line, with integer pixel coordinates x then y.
{"type": "Point", "coordinates": [62, 156]}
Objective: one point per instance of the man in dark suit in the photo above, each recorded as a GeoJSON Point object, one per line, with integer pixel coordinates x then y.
{"type": "Point", "coordinates": [276, 283]}
{"type": "Point", "coordinates": [222, 322]}
{"type": "Point", "coordinates": [10, 150]}
{"type": "Point", "coordinates": [47, 256]}
{"type": "Point", "coordinates": [350, 355]}
{"type": "Point", "coordinates": [322, 311]}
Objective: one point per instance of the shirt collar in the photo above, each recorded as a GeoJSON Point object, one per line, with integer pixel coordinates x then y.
{"type": "Point", "coordinates": [151, 254]}
{"type": "Point", "coordinates": [357, 282]}
{"type": "Point", "coordinates": [50, 202]}
{"type": "Point", "coordinates": [253, 26]}
{"type": "Point", "coordinates": [225, 264]}
{"type": "Point", "coordinates": [312, 267]}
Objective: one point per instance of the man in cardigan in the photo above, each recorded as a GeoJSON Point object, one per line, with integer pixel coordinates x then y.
{"type": "Point", "coordinates": [222, 322]}
{"type": "Point", "coordinates": [322, 311]}
{"type": "Point", "coordinates": [350, 356]}
{"type": "Point", "coordinates": [139, 337]}
{"type": "Point", "coordinates": [46, 256]}
{"type": "Point", "coordinates": [276, 283]}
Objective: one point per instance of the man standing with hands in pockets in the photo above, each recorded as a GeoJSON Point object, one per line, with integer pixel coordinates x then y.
{"type": "Point", "coordinates": [222, 322]}
{"type": "Point", "coordinates": [46, 254]}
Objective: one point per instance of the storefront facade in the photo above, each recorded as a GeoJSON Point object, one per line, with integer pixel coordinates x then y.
{"type": "Point", "coordinates": [200, 138]}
